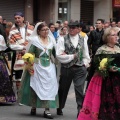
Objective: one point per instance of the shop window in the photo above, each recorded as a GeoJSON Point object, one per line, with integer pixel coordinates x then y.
{"type": "Point", "coordinates": [62, 10]}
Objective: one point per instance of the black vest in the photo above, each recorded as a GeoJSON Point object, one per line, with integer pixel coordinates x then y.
{"type": "Point", "coordinates": [70, 49]}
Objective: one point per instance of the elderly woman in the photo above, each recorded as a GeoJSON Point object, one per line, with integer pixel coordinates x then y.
{"type": "Point", "coordinates": [40, 89]}
{"type": "Point", "coordinates": [102, 100]}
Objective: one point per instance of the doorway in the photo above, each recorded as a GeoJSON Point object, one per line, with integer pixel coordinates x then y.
{"type": "Point", "coordinates": [116, 14]}
{"type": "Point", "coordinates": [35, 11]}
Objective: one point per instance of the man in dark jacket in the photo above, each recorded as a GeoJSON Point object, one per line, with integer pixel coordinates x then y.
{"type": "Point", "coordinates": [95, 37]}
{"type": "Point", "coordinates": [94, 42]}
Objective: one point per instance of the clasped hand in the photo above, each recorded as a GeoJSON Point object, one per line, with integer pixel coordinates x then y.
{"type": "Point", "coordinates": [75, 55]}
{"type": "Point", "coordinates": [114, 69]}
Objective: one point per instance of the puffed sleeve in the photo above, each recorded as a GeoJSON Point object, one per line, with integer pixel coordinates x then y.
{"type": "Point", "coordinates": [2, 43]}
{"type": "Point", "coordinates": [86, 57]}
{"type": "Point", "coordinates": [60, 52]}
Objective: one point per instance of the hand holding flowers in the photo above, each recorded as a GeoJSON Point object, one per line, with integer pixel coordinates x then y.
{"type": "Point", "coordinates": [114, 68]}
{"type": "Point", "coordinates": [105, 66]}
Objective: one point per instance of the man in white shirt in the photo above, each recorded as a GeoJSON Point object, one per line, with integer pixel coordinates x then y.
{"type": "Point", "coordinates": [18, 39]}
{"type": "Point", "coordinates": [72, 52]}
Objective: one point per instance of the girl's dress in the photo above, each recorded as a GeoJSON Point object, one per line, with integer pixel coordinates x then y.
{"type": "Point", "coordinates": [40, 89]}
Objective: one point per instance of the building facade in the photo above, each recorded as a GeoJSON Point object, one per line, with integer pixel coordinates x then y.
{"type": "Point", "coordinates": [52, 10]}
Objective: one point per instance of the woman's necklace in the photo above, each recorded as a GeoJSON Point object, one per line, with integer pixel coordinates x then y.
{"type": "Point", "coordinates": [110, 46]}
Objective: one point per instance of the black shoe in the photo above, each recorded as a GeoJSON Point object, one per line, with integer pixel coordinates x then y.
{"type": "Point", "coordinates": [33, 111]}
{"type": "Point", "coordinates": [48, 115]}
{"type": "Point", "coordinates": [59, 111]}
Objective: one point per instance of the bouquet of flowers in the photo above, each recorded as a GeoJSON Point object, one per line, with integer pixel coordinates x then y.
{"type": "Point", "coordinates": [104, 66]}
{"type": "Point", "coordinates": [29, 61]}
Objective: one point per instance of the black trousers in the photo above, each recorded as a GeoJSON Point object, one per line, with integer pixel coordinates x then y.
{"type": "Point", "coordinates": [13, 62]}
{"type": "Point", "coordinates": [18, 74]}
{"type": "Point", "coordinates": [77, 74]}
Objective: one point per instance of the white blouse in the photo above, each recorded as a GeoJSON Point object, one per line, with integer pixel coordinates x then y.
{"type": "Point", "coordinates": [66, 58]}
{"type": "Point", "coordinates": [2, 43]}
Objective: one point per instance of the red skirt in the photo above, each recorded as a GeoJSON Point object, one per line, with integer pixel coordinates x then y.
{"type": "Point", "coordinates": [91, 104]}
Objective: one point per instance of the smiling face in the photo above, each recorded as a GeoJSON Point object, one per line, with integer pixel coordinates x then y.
{"type": "Point", "coordinates": [19, 20]}
{"type": "Point", "coordinates": [73, 30]}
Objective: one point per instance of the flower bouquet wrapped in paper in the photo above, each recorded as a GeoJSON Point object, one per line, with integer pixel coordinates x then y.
{"type": "Point", "coordinates": [29, 61]}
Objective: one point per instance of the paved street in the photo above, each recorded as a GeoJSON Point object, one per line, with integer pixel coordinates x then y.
{"type": "Point", "coordinates": [16, 112]}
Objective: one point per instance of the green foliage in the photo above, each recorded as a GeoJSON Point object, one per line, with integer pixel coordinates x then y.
{"type": "Point", "coordinates": [103, 63]}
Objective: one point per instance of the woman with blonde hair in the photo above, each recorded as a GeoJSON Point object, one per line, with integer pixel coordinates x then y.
{"type": "Point", "coordinates": [102, 100]}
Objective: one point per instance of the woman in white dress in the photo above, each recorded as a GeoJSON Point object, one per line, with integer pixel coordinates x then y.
{"type": "Point", "coordinates": [40, 89]}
